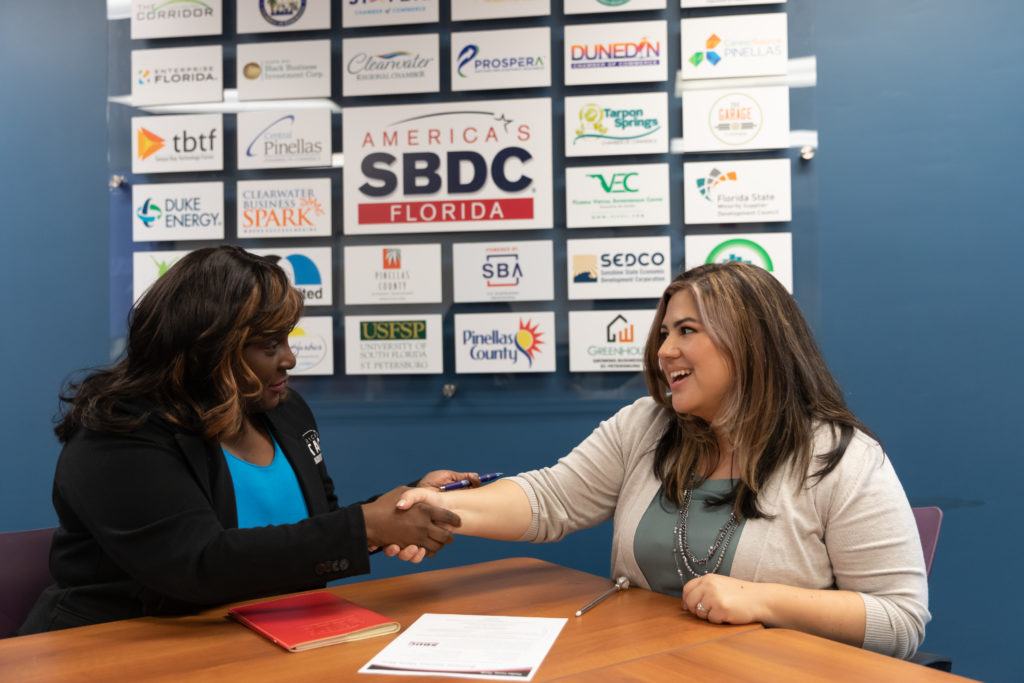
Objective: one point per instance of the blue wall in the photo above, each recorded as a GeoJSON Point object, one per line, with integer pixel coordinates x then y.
{"type": "Point", "coordinates": [918, 105]}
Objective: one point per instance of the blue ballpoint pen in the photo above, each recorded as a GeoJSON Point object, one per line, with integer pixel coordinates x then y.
{"type": "Point", "coordinates": [466, 483]}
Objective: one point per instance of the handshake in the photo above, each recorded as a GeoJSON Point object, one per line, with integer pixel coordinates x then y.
{"type": "Point", "coordinates": [422, 529]}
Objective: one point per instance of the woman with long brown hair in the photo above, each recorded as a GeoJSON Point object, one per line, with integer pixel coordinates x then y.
{"type": "Point", "coordinates": [191, 475]}
{"type": "Point", "coordinates": [742, 484]}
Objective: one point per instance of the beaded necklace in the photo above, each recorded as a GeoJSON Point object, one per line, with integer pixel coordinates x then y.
{"type": "Point", "coordinates": [682, 554]}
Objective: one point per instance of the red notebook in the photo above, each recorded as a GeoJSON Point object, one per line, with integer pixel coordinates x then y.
{"type": "Point", "coordinates": [303, 622]}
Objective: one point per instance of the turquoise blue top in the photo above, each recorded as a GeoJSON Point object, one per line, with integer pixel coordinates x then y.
{"type": "Point", "coordinates": [655, 542]}
{"type": "Point", "coordinates": [266, 495]}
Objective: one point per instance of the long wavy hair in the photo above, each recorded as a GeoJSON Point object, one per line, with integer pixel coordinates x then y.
{"type": "Point", "coordinates": [781, 391]}
{"type": "Point", "coordinates": [184, 353]}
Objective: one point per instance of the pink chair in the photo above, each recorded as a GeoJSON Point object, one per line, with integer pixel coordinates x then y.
{"type": "Point", "coordinates": [929, 521]}
{"type": "Point", "coordinates": [24, 574]}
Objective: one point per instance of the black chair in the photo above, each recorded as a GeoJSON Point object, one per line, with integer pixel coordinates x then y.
{"type": "Point", "coordinates": [24, 573]}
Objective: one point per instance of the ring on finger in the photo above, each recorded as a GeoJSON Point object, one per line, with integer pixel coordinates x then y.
{"type": "Point", "coordinates": [701, 608]}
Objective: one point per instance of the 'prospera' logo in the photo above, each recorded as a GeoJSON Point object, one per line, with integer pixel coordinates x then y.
{"type": "Point", "coordinates": [611, 55]}
{"type": "Point", "coordinates": [148, 213]}
{"type": "Point", "coordinates": [468, 60]}
{"type": "Point", "coordinates": [713, 179]}
{"type": "Point", "coordinates": [712, 57]}
{"type": "Point", "coordinates": [282, 12]}
{"type": "Point", "coordinates": [614, 124]}
{"type": "Point", "coordinates": [742, 250]}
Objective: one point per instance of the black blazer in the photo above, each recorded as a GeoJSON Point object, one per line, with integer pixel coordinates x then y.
{"type": "Point", "coordinates": [148, 526]}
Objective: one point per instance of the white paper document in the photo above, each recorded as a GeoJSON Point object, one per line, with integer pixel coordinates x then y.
{"type": "Point", "coordinates": [469, 646]}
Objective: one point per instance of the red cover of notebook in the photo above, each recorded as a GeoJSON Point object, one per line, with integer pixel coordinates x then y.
{"type": "Point", "coordinates": [302, 622]}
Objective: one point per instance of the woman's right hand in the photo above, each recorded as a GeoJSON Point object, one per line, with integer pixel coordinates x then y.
{"type": "Point", "coordinates": [424, 525]}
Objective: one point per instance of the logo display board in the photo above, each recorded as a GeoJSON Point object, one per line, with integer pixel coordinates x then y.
{"type": "Point", "coordinates": [284, 70]}
{"type": "Point", "coordinates": [393, 274]}
{"type": "Point", "coordinates": [388, 65]}
{"type": "Point", "coordinates": [738, 119]}
{"type": "Point", "coordinates": [284, 139]}
{"type": "Point", "coordinates": [312, 342]}
{"type": "Point", "coordinates": [387, 12]}
{"type": "Point", "coordinates": [772, 251]}
{"type": "Point", "coordinates": [284, 208]}
{"type": "Point", "coordinates": [618, 267]}
{"type": "Point", "coordinates": [503, 271]}
{"type": "Point", "coordinates": [172, 18]}
{"type": "Point", "coordinates": [447, 167]}
{"type": "Point", "coordinates": [148, 266]}
{"type": "Point", "coordinates": [308, 269]}
{"type": "Point", "coordinates": [753, 191]}
{"type": "Point", "coordinates": [608, 341]}
{"type": "Point", "coordinates": [635, 123]}
{"type": "Point", "coordinates": [177, 75]}
{"type": "Point", "coordinates": [394, 345]}
{"type": "Point", "coordinates": [468, 10]}
{"type": "Point", "coordinates": [270, 16]}
{"type": "Point", "coordinates": [601, 6]}
{"type": "Point", "coordinates": [505, 342]}
{"type": "Point", "coordinates": [177, 211]}
{"type": "Point", "coordinates": [724, 3]}
{"type": "Point", "coordinates": [172, 144]}
{"type": "Point", "coordinates": [734, 45]}
{"type": "Point", "coordinates": [613, 196]}
{"type": "Point", "coordinates": [492, 60]}
{"type": "Point", "coordinates": [626, 52]}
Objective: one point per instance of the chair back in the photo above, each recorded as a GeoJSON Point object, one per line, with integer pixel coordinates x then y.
{"type": "Point", "coordinates": [929, 520]}
{"type": "Point", "coordinates": [24, 573]}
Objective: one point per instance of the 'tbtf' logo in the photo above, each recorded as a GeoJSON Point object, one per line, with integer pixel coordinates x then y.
{"type": "Point", "coordinates": [616, 183]}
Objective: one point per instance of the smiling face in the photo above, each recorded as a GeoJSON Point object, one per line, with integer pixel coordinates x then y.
{"type": "Point", "coordinates": [699, 374]}
{"type": "Point", "coordinates": [270, 358]}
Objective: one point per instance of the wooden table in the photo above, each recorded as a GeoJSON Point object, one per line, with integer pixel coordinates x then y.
{"type": "Point", "coordinates": [636, 628]}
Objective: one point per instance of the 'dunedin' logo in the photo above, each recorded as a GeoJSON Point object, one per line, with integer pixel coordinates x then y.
{"type": "Point", "coordinates": [713, 179]}
{"type": "Point", "coordinates": [282, 12]}
{"type": "Point", "coordinates": [612, 55]}
{"type": "Point", "coordinates": [614, 124]}
{"type": "Point", "coordinates": [743, 250]}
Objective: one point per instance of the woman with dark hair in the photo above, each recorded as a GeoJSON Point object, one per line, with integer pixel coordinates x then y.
{"type": "Point", "coordinates": [192, 476]}
{"type": "Point", "coordinates": [742, 484]}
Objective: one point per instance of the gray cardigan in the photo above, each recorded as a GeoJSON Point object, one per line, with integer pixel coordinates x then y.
{"type": "Point", "coordinates": [853, 530]}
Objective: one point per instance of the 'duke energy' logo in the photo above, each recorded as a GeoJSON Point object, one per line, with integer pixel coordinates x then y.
{"type": "Point", "coordinates": [148, 213]}
{"type": "Point", "coordinates": [528, 340]}
{"type": "Point", "coordinates": [712, 57]}
{"type": "Point", "coordinates": [713, 179]}
{"type": "Point", "coordinates": [149, 143]}
{"type": "Point", "coordinates": [743, 250]}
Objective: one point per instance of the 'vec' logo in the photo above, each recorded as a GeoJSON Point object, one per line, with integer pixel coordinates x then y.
{"type": "Point", "coordinates": [617, 183]}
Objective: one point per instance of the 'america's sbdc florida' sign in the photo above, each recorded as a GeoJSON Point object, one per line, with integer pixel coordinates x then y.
{"type": "Point", "coordinates": [455, 166]}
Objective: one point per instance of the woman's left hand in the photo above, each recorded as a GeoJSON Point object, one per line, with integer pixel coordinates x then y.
{"type": "Point", "coordinates": [438, 478]}
{"type": "Point", "coordinates": [722, 599]}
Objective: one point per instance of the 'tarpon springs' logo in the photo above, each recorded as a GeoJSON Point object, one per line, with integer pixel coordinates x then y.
{"type": "Point", "coordinates": [614, 124]}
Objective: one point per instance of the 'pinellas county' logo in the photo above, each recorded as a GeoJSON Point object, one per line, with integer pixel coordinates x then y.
{"type": "Point", "coordinates": [600, 122]}
{"type": "Point", "coordinates": [495, 345]}
{"type": "Point", "coordinates": [713, 179]}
